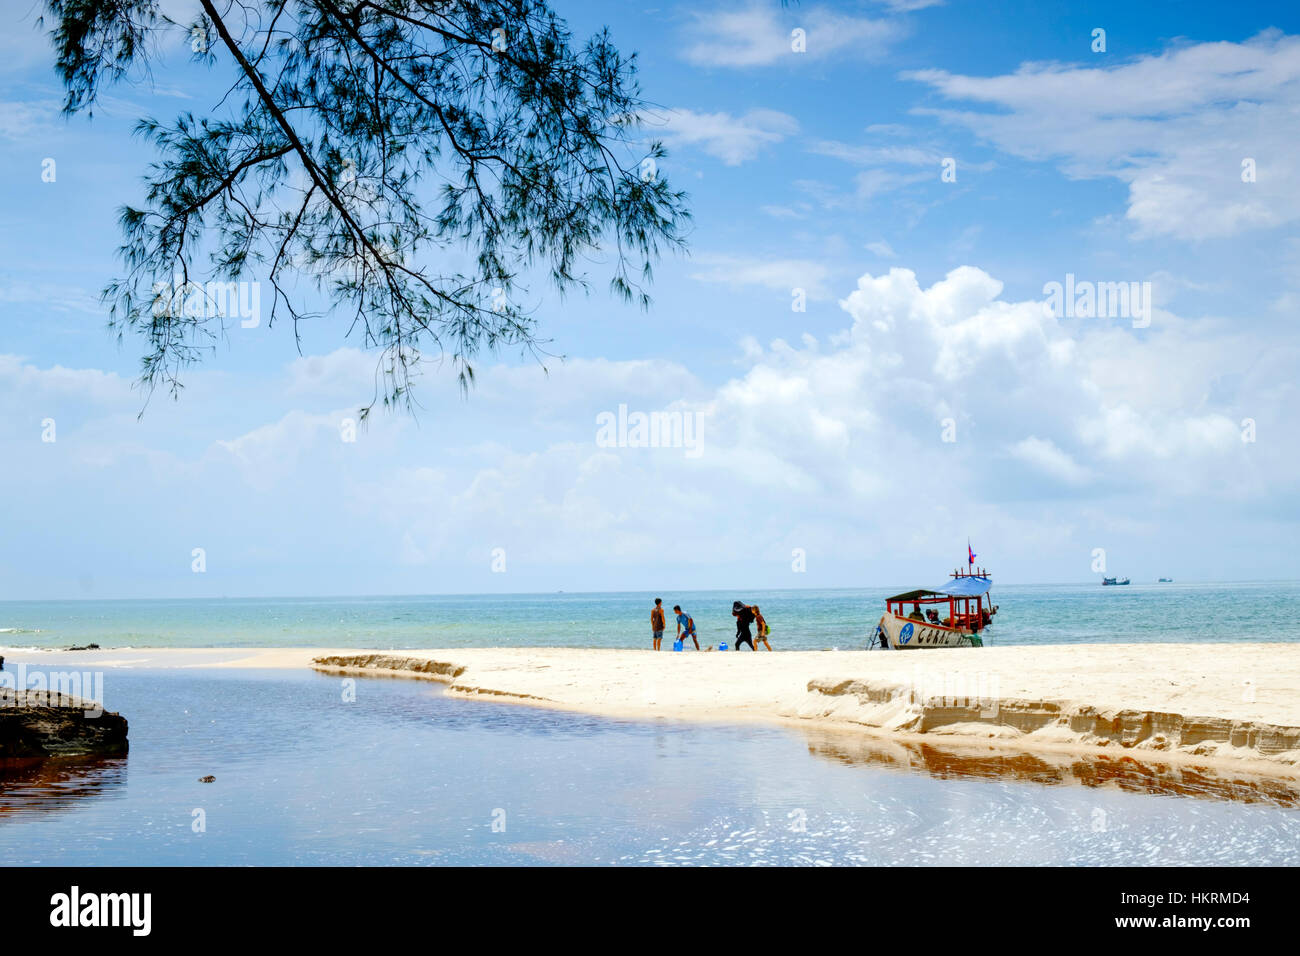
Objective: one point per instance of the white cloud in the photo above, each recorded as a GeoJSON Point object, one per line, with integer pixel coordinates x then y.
{"type": "Point", "coordinates": [785, 212]}
{"type": "Point", "coordinates": [1121, 432]}
{"type": "Point", "coordinates": [875, 182]}
{"type": "Point", "coordinates": [1041, 454]}
{"type": "Point", "coordinates": [760, 35]}
{"type": "Point", "coordinates": [57, 383]}
{"type": "Point", "coordinates": [21, 120]}
{"type": "Point", "coordinates": [908, 6]}
{"type": "Point", "coordinates": [345, 368]}
{"type": "Point", "coordinates": [732, 139]}
{"type": "Point", "coordinates": [889, 167]}
{"type": "Point", "coordinates": [870, 155]}
{"type": "Point", "coordinates": [54, 296]}
{"type": "Point", "coordinates": [819, 443]}
{"type": "Point", "coordinates": [1176, 127]}
{"type": "Point", "coordinates": [780, 274]}
{"type": "Point", "coordinates": [271, 453]}
{"type": "Point", "coordinates": [1085, 405]}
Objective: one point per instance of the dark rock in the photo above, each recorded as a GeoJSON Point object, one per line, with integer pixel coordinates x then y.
{"type": "Point", "coordinates": [45, 724]}
{"type": "Point", "coordinates": [88, 647]}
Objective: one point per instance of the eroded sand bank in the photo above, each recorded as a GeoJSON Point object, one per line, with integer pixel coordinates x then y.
{"type": "Point", "coordinates": [1206, 703]}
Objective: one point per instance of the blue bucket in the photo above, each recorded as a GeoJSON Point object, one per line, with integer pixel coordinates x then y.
{"type": "Point", "coordinates": [722, 646]}
{"type": "Point", "coordinates": [677, 645]}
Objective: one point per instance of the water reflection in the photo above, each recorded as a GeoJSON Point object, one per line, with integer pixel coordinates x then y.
{"type": "Point", "coordinates": [35, 785]}
{"type": "Point", "coordinates": [1119, 772]}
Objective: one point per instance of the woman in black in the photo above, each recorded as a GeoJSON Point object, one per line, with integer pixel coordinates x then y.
{"type": "Point", "coordinates": [744, 616]}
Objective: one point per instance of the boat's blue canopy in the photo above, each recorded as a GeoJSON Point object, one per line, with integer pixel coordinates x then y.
{"type": "Point", "coordinates": [970, 586]}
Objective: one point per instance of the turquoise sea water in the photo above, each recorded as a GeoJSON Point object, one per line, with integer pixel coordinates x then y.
{"type": "Point", "coordinates": [800, 620]}
{"type": "Point", "coordinates": [403, 774]}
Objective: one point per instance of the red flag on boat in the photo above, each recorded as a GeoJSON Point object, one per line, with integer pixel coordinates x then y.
{"type": "Point", "coordinates": [971, 554]}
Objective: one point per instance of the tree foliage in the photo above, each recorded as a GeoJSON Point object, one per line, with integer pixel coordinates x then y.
{"type": "Point", "coordinates": [414, 160]}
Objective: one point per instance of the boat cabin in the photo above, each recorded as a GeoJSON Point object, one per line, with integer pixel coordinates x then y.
{"type": "Point", "coordinates": [952, 615]}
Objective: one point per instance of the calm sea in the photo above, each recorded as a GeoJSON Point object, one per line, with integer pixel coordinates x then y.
{"type": "Point", "coordinates": [800, 620]}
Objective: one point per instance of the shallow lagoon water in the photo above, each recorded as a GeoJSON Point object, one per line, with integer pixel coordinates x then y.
{"type": "Point", "coordinates": [407, 775]}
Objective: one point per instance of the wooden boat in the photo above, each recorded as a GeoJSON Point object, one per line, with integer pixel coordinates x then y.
{"type": "Point", "coordinates": [954, 615]}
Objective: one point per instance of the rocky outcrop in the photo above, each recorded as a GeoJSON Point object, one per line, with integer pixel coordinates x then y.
{"type": "Point", "coordinates": [45, 724]}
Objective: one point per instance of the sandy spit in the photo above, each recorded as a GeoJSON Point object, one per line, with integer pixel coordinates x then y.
{"type": "Point", "coordinates": [1205, 703]}
{"type": "Point", "coordinates": [1209, 704]}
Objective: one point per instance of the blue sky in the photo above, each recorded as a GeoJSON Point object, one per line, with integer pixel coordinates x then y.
{"type": "Point", "coordinates": [821, 432]}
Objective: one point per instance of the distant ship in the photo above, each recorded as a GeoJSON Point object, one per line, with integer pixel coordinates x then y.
{"type": "Point", "coordinates": [1114, 581]}
{"type": "Point", "coordinates": [1166, 581]}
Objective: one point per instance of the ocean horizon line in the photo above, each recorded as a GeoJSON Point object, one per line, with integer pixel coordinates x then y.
{"type": "Point", "coordinates": [607, 593]}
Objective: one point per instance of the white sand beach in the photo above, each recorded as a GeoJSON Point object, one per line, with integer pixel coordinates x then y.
{"type": "Point", "coordinates": [1207, 703]}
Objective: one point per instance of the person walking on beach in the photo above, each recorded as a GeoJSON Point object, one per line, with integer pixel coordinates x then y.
{"type": "Point", "coordinates": [744, 616]}
{"type": "Point", "coordinates": [657, 622]}
{"type": "Point", "coordinates": [685, 626]}
{"type": "Point", "coordinates": [763, 629]}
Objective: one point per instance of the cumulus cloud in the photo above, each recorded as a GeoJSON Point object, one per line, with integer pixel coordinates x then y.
{"type": "Point", "coordinates": [937, 410]}
{"type": "Point", "coordinates": [836, 433]}
{"type": "Point", "coordinates": [1176, 127]}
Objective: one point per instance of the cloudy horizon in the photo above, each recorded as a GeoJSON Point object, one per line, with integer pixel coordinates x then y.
{"type": "Point", "coordinates": [858, 366]}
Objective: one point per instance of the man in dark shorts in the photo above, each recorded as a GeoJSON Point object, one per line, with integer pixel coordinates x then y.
{"type": "Point", "coordinates": [657, 622]}
{"type": "Point", "coordinates": [744, 616]}
{"type": "Point", "coordinates": [685, 626]}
